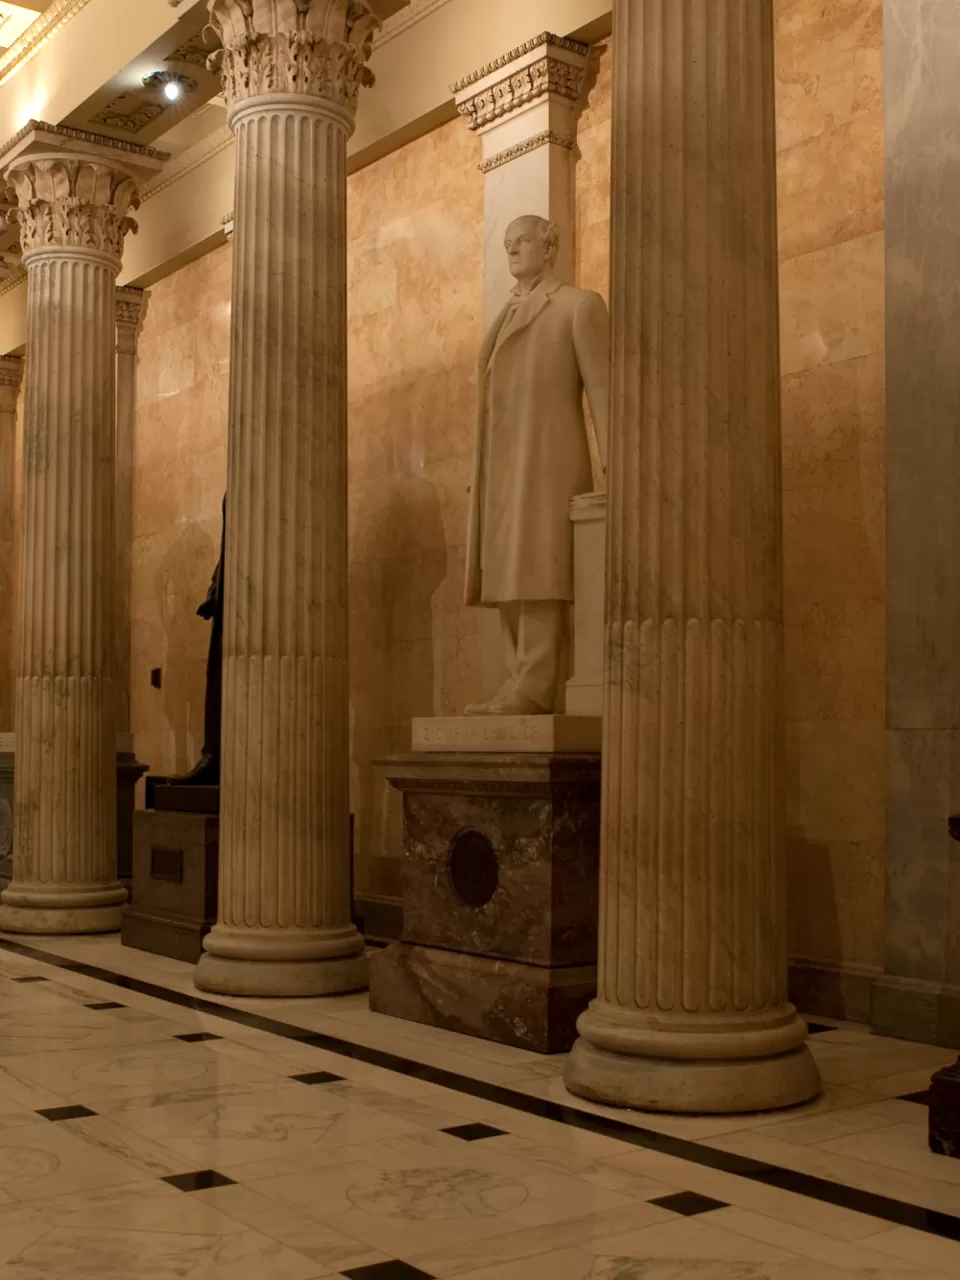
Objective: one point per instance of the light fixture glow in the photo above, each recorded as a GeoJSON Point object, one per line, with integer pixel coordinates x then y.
{"type": "Point", "coordinates": [172, 91]}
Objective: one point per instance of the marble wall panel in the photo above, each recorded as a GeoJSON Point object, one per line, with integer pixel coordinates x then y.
{"type": "Point", "coordinates": [830, 131]}
{"type": "Point", "coordinates": [415, 227]}
{"type": "Point", "coordinates": [179, 480]}
{"type": "Point", "coordinates": [923, 441]}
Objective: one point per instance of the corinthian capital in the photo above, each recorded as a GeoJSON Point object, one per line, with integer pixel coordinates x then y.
{"type": "Point", "coordinates": [72, 203]}
{"type": "Point", "coordinates": [314, 47]}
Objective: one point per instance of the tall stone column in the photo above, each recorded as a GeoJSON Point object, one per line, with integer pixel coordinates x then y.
{"type": "Point", "coordinates": [292, 70]}
{"type": "Point", "coordinates": [129, 308]}
{"type": "Point", "coordinates": [691, 1013]}
{"type": "Point", "coordinates": [11, 371]}
{"type": "Point", "coordinates": [73, 212]}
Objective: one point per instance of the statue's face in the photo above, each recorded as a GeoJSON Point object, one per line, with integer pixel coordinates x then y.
{"type": "Point", "coordinates": [526, 253]}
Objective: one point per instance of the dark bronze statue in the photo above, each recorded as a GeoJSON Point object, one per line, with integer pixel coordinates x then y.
{"type": "Point", "coordinates": [206, 773]}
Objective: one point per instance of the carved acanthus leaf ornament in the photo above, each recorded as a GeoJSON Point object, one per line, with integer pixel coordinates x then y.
{"type": "Point", "coordinates": [72, 204]}
{"type": "Point", "coordinates": [314, 47]}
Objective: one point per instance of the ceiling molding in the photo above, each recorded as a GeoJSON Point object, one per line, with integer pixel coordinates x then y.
{"type": "Point", "coordinates": [55, 16]}
{"type": "Point", "coordinates": [415, 12]}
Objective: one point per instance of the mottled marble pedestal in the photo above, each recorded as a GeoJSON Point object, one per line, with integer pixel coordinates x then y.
{"type": "Point", "coordinates": [173, 901]}
{"type": "Point", "coordinates": [500, 876]}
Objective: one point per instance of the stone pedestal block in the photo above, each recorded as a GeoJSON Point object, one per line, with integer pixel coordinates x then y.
{"type": "Point", "coordinates": [174, 897]}
{"type": "Point", "coordinates": [500, 874]}
{"type": "Point", "coordinates": [543, 735]}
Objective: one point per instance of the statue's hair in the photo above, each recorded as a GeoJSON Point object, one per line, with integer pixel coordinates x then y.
{"type": "Point", "coordinates": [548, 232]}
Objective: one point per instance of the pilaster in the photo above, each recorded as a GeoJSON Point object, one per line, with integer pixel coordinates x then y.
{"type": "Point", "coordinates": [524, 107]}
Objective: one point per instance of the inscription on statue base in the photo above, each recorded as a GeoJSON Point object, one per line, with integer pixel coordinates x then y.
{"type": "Point", "coordinates": [544, 735]}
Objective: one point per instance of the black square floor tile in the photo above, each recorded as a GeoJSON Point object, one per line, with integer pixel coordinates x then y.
{"type": "Point", "coordinates": [31, 979]}
{"type": "Point", "coordinates": [818, 1028]}
{"type": "Point", "coordinates": [203, 1180]}
{"type": "Point", "coordinates": [197, 1037]}
{"type": "Point", "coordinates": [106, 1004]}
{"type": "Point", "coordinates": [474, 1132]}
{"type": "Point", "coordinates": [65, 1113]}
{"type": "Point", "coordinates": [388, 1271]}
{"type": "Point", "coordinates": [923, 1097]}
{"type": "Point", "coordinates": [689, 1203]}
{"type": "Point", "coordinates": [316, 1077]}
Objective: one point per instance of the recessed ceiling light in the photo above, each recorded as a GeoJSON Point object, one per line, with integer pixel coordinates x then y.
{"type": "Point", "coordinates": [170, 84]}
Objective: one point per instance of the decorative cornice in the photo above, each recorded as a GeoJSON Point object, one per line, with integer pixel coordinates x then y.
{"type": "Point", "coordinates": [72, 204]}
{"type": "Point", "coordinates": [47, 24]}
{"type": "Point", "coordinates": [521, 88]}
{"type": "Point", "coordinates": [10, 282]}
{"type": "Point", "coordinates": [268, 49]}
{"type": "Point", "coordinates": [416, 11]}
{"type": "Point", "coordinates": [129, 121]}
{"type": "Point", "coordinates": [530, 46]}
{"type": "Point", "coordinates": [547, 138]}
{"type": "Point", "coordinates": [129, 306]}
{"type": "Point", "coordinates": [82, 135]}
{"type": "Point", "coordinates": [209, 146]}
{"type": "Point", "coordinates": [11, 371]}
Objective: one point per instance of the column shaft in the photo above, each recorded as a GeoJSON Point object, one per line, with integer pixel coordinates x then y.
{"type": "Point", "coordinates": [11, 369]}
{"type": "Point", "coordinates": [284, 922]}
{"type": "Point", "coordinates": [692, 1012]}
{"type": "Point", "coordinates": [65, 786]}
{"type": "Point", "coordinates": [129, 303]}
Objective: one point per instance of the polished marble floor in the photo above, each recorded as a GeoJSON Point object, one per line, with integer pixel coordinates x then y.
{"type": "Point", "coordinates": [148, 1132]}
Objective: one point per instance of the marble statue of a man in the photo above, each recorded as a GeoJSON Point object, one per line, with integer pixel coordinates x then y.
{"type": "Point", "coordinates": [550, 343]}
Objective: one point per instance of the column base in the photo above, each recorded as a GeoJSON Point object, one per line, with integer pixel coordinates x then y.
{"type": "Point", "coordinates": [231, 977]}
{"type": "Point", "coordinates": [61, 920]}
{"type": "Point", "coordinates": [704, 1086]}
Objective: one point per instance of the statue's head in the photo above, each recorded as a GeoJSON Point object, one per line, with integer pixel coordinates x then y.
{"type": "Point", "coordinates": [531, 244]}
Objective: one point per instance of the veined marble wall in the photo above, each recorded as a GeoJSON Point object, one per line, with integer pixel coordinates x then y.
{"type": "Point", "coordinates": [415, 303]}
{"type": "Point", "coordinates": [830, 139]}
{"type": "Point", "coordinates": [179, 470]}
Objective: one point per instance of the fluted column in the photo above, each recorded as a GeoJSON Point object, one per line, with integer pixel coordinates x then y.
{"type": "Point", "coordinates": [292, 70]}
{"type": "Point", "coordinates": [11, 371]}
{"type": "Point", "coordinates": [129, 308]}
{"type": "Point", "coordinates": [73, 213]}
{"type": "Point", "coordinates": [692, 1011]}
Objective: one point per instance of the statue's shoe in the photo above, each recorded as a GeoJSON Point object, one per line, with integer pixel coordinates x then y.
{"type": "Point", "coordinates": [515, 706]}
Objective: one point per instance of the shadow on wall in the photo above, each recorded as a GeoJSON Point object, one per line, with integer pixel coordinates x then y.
{"type": "Point", "coordinates": [182, 579]}
{"type": "Point", "coordinates": [398, 561]}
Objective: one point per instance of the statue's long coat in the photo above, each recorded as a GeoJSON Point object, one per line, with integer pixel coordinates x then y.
{"type": "Point", "coordinates": [533, 454]}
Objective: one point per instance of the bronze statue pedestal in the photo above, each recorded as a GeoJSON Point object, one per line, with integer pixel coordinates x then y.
{"type": "Point", "coordinates": [173, 900]}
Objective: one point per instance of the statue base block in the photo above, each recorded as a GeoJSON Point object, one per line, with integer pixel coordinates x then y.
{"type": "Point", "coordinates": [174, 899]}
{"type": "Point", "coordinates": [500, 881]}
{"type": "Point", "coordinates": [538, 734]}
{"type": "Point", "coordinates": [516, 1004]}
{"type": "Point", "coordinates": [944, 1101]}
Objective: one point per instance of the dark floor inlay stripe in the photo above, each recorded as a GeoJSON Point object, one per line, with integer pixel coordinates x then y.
{"type": "Point", "coordinates": [31, 979]}
{"type": "Point", "coordinates": [106, 1004]}
{"type": "Point", "coordinates": [65, 1113]}
{"type": "Point", "coordinates": [818, 1028]}
{"type": "Point", "coordinates": [202, 1180]}
{"type": "Point", "coordinates": [689, 1203]}
{"type": "Point", "coordinates": [388, 1271]}
{"type": "Point", "coordinates": [871, 1203]}
{"type": "Point", "coordinates": [316, 1077]}
{"type": "Point", "coordinates": [474, 1132]}
{"type": "Point", "coordinates": [923, 1097]}
{"type": "Point", "coordinates": [197, 1037]}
